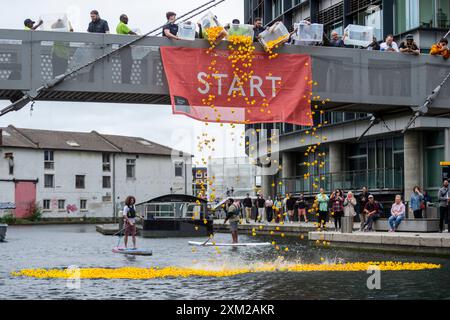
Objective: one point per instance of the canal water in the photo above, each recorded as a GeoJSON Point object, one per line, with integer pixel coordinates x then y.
{"type": "Point", "coordinates": [62, 246]}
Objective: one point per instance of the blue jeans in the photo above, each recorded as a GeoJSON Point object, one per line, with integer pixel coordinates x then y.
{"type": "Point", "coordinates": [394, 221]}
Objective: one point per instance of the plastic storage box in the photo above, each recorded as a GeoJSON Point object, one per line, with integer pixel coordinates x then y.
{"type": "Point", "coordinates": [275, 35]}
{"type": "Point", "coordinates": [241, 30]}
{"type": "Point", "coordinates": [208, 21]}
{"type": "Point", "coordinates": [358, 35]}
{"type": "Point", "coordinates": [186, 30]}
{"type": "Point", "coordinates": [55, 22]}
{"type": "Point", "coordinates": [309, 32]}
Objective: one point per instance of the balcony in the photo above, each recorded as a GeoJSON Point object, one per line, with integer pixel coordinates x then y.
{"type": "Point", "coordinates": [377, 180]}
{"type": "Point", "coordinates": [354, 80]}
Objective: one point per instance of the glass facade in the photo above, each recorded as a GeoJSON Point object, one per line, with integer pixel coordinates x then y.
{"type": "Point", "coordinates": [434, 145]}
{"type": "Point", "coordinates": [379, 163]}
{"type": "Point", "coordinates": [410, 14]}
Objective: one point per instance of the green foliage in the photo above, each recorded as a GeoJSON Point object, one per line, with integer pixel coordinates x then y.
{"type": "Point", "coordinates": [37, 214]}
{"type": "Point", "coordinates": [8, 218]}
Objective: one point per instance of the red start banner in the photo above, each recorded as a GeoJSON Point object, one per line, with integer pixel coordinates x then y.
{"type": "Point", "coordinates": [278, 90]}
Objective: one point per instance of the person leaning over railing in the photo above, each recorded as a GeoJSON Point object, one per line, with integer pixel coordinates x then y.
{"type": "Point", "coordinates": [441, 49]}
{"type": "Point", "coordinates": [257, 29]}
{"type": "Point", "coordinates": [170, 29]}
{"type": "Point", "coordinates": [389, 45]}
{"type": "Point", "coordinates": [29, 24]}
{"type": "Point", "coordinates": [409, 46]}
{"type": "Point", "coordinates": [397, 214]}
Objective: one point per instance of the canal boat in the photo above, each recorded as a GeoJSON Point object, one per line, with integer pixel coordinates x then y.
{"type": "Point", "coordinates": [175, 215]}
{"type": "Point", "coordinates": [3, 228]}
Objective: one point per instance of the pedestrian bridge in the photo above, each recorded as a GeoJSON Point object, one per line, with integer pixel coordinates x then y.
{"type": "Point", "coordinates": [354, 80]}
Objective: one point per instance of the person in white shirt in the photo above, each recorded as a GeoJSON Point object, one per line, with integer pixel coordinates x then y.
{"type": "Point", "coordinates": [389, 45]}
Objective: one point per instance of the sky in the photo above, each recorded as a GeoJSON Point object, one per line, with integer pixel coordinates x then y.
{"type": "Point", "coordinates": [155, 123]}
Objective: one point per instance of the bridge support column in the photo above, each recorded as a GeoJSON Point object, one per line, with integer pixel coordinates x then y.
{"type": "Point", "coordinates": [266, 186]}
{"type": "Point", "coordinates": [287, 171]}
{"type": "Point", "coordinates": [335, 157]}
{"type": "Point", "coordinates": [447, 145]}
{"type": "Point", "coordinates": [412, 155]}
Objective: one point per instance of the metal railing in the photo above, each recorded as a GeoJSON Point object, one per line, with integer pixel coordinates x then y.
{"type": "Point", "coordinates": [368, 80]}
{"type": "Point", "coordinates": [383, 179]}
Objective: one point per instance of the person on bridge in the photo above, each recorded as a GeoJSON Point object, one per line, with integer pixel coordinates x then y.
{"type": "Point", "coordinates": [409, 46]}
{"type": "Point", "coordinates": [389, 45]}
{"type": "Point", "coordinates": [126, 57]}
{"type": "Point", "coordinates": [441, 49]}
{"type": "Point", "coordinates": [97, 25]}
{"type": "Point", "coordinates": [170, 29]}
{"type": "Point", "coordinates": [122, 27]}
{"type": "Point", "coordinates": [29, 24]}
{"type": "Point", "coordinates": [257, 29]}
{"type": "Point", "coordinates": [397, 214]}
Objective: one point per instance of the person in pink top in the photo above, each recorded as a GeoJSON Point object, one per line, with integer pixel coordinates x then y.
{"type": "Point", "coordinates": [397, 214]}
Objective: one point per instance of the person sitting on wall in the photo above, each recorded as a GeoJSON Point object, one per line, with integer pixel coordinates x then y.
{"type": "Point", "coordinates": [397, 214]}
{"type": "Point", "coordinates": [409, 46]}
{"type": "Point", "coordinates": [441, 49]}
{"type": "Point", "coordinates": [372, 210]}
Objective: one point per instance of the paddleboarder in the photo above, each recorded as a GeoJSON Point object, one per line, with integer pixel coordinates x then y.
{"type": "Point", "coordinates": [129, 217]}
{"type": "Point", "coordinates": [232, 209]}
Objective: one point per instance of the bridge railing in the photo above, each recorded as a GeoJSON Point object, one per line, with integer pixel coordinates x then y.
{"type": "Point", "coordinates": [345, 76]}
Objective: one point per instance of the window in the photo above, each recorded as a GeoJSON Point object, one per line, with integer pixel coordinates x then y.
{"type": "Point", "coordinates": [49, 181]}
{"type": "Point", "coordinates": [106, 162]}
{"type": "Point", "coordinates": [49, 162]}
{"type": "Point", "coordinates": [10, 158]}
{"type": "Point", "coordinates": [178, 169]}
{"type": "Point", "coordinates": [83, 204]}
{"type": "Point", "coordinates": [106, 182]}
{"type": "Point", "coordinates": [131, 168]}
{"type": "Point", "coordinates": [61, 204]}
{"type": "Point", "coordinates": [79, 182]}
{"type": "Point", "coordinates": [46, 204]}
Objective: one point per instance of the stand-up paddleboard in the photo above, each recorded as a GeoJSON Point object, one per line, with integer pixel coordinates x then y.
{"type": "Point", "coordinates": [130, 251]}
{"type": "Point", "coordinates": [210, 244]}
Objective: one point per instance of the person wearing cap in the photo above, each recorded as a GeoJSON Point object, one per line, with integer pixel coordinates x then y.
{"type": "Point", "coordinates": [97, 25]}
{"type": "Point", "coordinates": [409, 46]}
{"type": "Point", "coordinates": [170, 29]}
{"type": "Point", "coordinates": [372, 210]}
{"type": "Point", "coordinates": [29, 24]}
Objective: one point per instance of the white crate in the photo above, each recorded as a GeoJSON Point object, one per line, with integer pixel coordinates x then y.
{"type": "Point", "coordinates": [209, 20]}
{"type": "Point", "coordinates": [186, 30]}
{"type": "Point", "coordinates": [55, 22]}
{"type": "Point", "coordinates": [241, 30]}
{"type": "Point", "coordinates": [309, 32]}
{"type": "Point", "coordinates": [276, 32]}
{"type": "Point", "coordinates": [358, 35]}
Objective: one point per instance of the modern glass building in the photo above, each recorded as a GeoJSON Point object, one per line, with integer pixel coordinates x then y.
{"type": "Point", "coordinates": [385, 160]}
